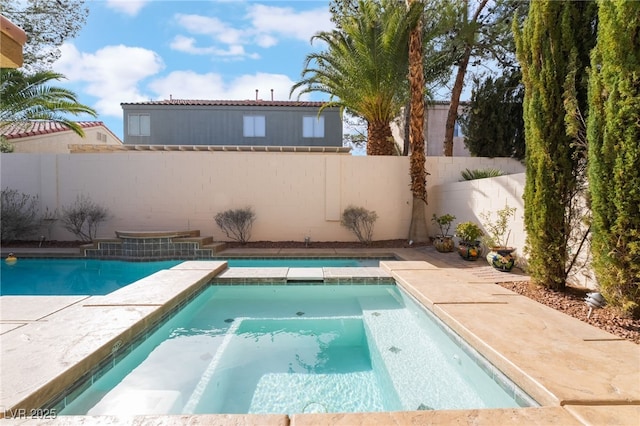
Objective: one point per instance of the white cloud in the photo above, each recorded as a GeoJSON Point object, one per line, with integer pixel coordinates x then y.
{"type": "Point", "coordinates": [287, 22]}
{"type": "Point", "coordinates": [191, 85]}
{"type": "Point", "coordinates": [187, 44]}
{"type": "Point", "coordinates": [112, 74]}
{"type": "Point", "coordinates": [128, 7]}
{"type": "Point", "coordinates": [265, 27]}
{"type": "Point", "coordinates": [205, 25]}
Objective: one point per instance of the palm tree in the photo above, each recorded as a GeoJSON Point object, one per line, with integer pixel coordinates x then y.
{"type": "Point", "coordinates": [418, 227]}
{"type": "Point", "coordinates": [364, 67]}
{"type": "Point", "coordinates": [27, 97]}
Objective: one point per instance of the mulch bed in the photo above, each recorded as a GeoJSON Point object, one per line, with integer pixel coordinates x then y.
{"type": "Point", "coordinates": [570, 302]}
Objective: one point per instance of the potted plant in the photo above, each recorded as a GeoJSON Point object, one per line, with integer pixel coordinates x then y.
{"type": "Point", "coordinates": [469, 246]}
{"type": "Point", "coordinates": [443, 242]}
{"type": "Point", "coordinates": [500, 254]}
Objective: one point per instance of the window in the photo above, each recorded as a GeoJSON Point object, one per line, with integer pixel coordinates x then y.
{"type": "Point", "coordinates": [313, 126]}
{"type": "Point", "coordinates": [253, 126]}
{"type": "Point", "coordinates": [139, 125]}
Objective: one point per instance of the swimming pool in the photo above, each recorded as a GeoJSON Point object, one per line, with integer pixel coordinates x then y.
{"type": "Point", "coordinates": [95, 277]}
{"type": "Point", "coordinates": [73, 276]}
{"type": "Point", "coordinates": [303, 262]}
{"type": "Point", "coordinates": [293, 349]}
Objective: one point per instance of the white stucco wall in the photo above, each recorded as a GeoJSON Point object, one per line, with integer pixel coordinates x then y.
{"type": "Point", "coordinates": [469, 200]}
{"type": "Point", "coordinates": [294, 195]}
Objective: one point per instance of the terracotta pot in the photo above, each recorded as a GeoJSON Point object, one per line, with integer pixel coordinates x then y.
{"type": "Point", "coordinates": [501, 258]}
{"type": "Point", "coordinates": [469, 250]}
{"type": "Point", "coordinates": [444, 244]}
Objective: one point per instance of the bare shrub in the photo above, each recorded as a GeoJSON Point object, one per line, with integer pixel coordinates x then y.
{"type": "Point", "coordinates": [360, 221]}
{"type": "Point", "coordinates": [83, 217]}
{"type": "Point", "coordinates": [236, 223]}
{"type": "Point", "coordinates": [19, 213]}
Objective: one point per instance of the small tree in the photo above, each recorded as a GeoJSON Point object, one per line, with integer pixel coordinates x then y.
{"type": "Point", "coordinates": [236, 223]}
{"type": "Point", "coordinates": [19, 213]}
{"type": "Point", "coordinates": [83, 217]}
{"type": "Point", "coordinates": [498, 229]}
{"type": "Point", "coordinates": [360, 221]}
{"type": "Point", "coordinates": [444, 223]}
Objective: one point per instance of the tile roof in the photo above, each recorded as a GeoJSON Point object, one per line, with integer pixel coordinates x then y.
{"type": "Point", "coordinates": [247, 102]}
{"type": "Point", "coordinates": [41, 127]}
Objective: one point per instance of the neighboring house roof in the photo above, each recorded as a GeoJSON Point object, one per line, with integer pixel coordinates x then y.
{"type": "Point", "coordinates": [210, 102]}
{"type": "Point", "coordinates": [43, 127]}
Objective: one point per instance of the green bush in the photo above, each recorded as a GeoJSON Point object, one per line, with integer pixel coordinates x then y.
{"type": "Point", "coordinates": [5, 145]}
{"type": "Point", "coordinates": [83, 217]}
{"type": "Point", "coordinates": [468, 232]}
{"type": "Point", "coordinates": [480, 173]}
{"type": "Point", "coordinates": [236, 223]}
{"type": "Point", "coordinates": [19, 214]}
{"type": "Point", "coordinates": [360, 221]}
{"type": "Point", "coordinates": [443, 222]}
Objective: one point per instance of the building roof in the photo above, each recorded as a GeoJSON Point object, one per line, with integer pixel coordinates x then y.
{"type": "Point", "coordinates": [211, 102]}
{"type": "Point", "coordinates": [88, 148]}
{"type": "Point", "coordinates": [43, 127]}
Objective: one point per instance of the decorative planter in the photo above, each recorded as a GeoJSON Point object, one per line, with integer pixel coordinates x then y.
{"type": "Point", "coordinates": [469, 251]}
{"type": "Point", "coordinates": [501, 258]}
{"type": "Point", "coordinates": [444, 244]}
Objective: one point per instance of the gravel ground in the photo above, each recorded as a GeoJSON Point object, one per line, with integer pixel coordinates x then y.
{"type": "Point", "coordinates": [570, 302]}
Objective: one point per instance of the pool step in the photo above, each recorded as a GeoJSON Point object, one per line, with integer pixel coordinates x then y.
{"type": "Point", "coordinates": [316, 393]}
{"type": "Point", "coordinates": [419, 369]}
{"type": "Point", "coordinates": [305, 274]}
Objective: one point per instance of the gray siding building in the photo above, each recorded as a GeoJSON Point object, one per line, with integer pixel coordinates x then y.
{"type": "Point", "coordinates": [232, 123]}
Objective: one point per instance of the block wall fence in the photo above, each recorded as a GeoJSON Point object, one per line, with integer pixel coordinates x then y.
{"type": "Point", "coordinates": [294, 195]}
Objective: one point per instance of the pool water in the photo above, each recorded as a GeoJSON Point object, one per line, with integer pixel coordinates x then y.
{"type": "Point", "coordinates": [302, 262]}
{"type": "Point", "coordinates": [94, 277]}
{"type": "Point", "coordinates": [294, 349]}
{"type": "Point", "coordinates": [73, 276]}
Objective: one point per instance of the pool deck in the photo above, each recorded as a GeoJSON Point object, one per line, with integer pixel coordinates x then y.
{"type": "Point", "coordinates": [578, 373]}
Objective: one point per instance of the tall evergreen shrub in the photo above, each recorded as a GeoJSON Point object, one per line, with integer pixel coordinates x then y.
{"type": "Point", "coordinates": [614, 153]}
{"type": "Point", "coordinates": [553, 50]}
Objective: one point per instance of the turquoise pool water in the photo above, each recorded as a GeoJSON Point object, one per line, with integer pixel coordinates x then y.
{"type": "Point", "coordinates": [97, 277]}
{"type": "Point", "coordinates": [294, 349]}
{"type": "Point", "coordinates": [73, 276]}
{"type": "Point", "coordinates": [302, 262]}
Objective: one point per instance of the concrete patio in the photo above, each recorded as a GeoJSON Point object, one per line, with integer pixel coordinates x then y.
{"type": "Point", "coordinates": [577, 373]}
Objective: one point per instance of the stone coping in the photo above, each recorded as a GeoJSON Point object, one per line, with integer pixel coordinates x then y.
{"type": "Point", "coordinates": [579, 374]}
{"type": "Point", "coordinates": [157, 234]}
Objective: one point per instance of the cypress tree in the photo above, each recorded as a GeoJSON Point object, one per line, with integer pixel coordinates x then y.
{"type": "Point", "coordinates": [553, 51]}
{"type": "Point", "coordinates": [613, 133]}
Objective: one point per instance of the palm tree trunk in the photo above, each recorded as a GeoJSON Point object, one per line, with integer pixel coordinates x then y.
{"type": "Point", "coordinates": [455, 102]}
{"type": "Point", "coordinates": [418, 228]}
{"type": "Point", "coordinates": [379, 139]}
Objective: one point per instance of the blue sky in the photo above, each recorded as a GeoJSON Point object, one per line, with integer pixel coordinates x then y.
{"type": "Point", "coordinates": [135, 51]}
